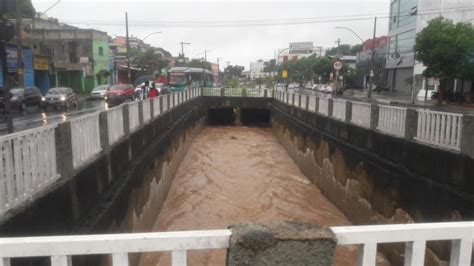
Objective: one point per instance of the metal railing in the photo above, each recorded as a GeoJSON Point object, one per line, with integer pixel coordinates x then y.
{"type": "Point", "coordinates": [323, 106]}
{"type": "Point", "coordinates": [133, 115]}
{"type": "Point", "coordinates": [115, 123]}
{"type": "Point", "coordinates": [392, 120]}
{"type": "Point", "coordinates": [440, 129]}
{"type": "Point", "coordinates": [233, 92]}
{"type": "Point", "coordinates": [146, 110]}
{"type": "Point", "coordinates": [361, 114]}
{"type": "Point", "coordinates": [85, 138]}
{"type": "Point", "coordinates": [339, 109]}
{"type": "Point", "coordinates": [415, 236]}
{"type": "Point", "coordinates": [211, 92]}
{"type": "Point", "coordinates": [27, 165]}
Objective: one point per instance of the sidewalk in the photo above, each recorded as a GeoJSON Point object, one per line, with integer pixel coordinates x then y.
{"type": "Point", "coordinates": [405, 100]}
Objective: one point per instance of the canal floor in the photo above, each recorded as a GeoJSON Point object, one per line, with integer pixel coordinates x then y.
{"type": "Point", "coordinates": [240, 175]}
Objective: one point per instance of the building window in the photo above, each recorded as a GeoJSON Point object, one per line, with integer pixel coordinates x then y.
{"type": "Point", "coordinates": [101, 51]}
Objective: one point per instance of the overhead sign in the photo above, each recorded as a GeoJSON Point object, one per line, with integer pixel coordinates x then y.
{"type": "Point", "coordinates": [301, 47]}
{"type": "Point", "coordinates": [284, 74]}
{"type": "Point", "coordinates": [337, 65]}
{"type": "Point", "coordinates": [40, 62]}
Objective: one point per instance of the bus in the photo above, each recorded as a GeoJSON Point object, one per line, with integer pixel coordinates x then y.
{"type": "Point", "coordinates": [181, 78]}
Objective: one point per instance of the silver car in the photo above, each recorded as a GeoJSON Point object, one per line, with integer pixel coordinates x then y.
{"type": "Point", "coordinates": [99, 92]}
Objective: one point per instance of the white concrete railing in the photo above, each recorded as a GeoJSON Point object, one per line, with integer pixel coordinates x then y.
{"type": "Point", "coordinates": [115, 123]}
{"type": "Point", "coordinates": [85, 138]}
{"type": "Point", "coordinates": [166, 99]}
{"type": "Point", "coordinates": [211, 92]}
{"type": "Point", "coordinates": [339, 109]}
{"type": "Point", "coordinates": [146, 110]}
{"type": "Point", "coordinates": [233, 92]}
{"type": "Point", "coordinates": [392, 120]}
{"type": "Point", "coordinates": [323, 106]}
{"type": "Point", "coordinates": [255, 93]}
{"type": "Point", "coordinates": [440, 129]}
{"type": "Point", "coordinates": [312, 104]}
{"type": "Point", "coordinates": [60, 248]}
{"type": "Point", "coordinates": [414, 236]}
{"type": "Point", "coordinates": [156, 106]}
{"type": "Point", "coordinates": [133, 115]}
{"type": "Point", "coordinates": [361, 114]}
{"type": "Point", "coordinates": [27, 165]}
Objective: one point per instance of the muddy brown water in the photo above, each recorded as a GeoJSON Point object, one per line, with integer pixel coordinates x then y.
{"type": "Point", "coordinates": [240, 175]}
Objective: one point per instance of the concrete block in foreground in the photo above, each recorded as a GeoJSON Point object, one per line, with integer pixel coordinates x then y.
{"type": "Point", "coordinates": [284, 243]}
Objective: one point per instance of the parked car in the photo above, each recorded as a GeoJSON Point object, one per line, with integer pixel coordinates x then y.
{"type": "Point", "coordinates": [99, 92]}
{"type": "Point", "coordinates": [60, 97]}
{"type": "Point", "coordinates": [280, 87]}
{"type": "Point", "coordinates": [293, 86]}
{"type": "Point", "coordinates": [21, 98]}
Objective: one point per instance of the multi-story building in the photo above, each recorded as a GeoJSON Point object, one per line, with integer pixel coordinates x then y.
{"type": "Point", "coordinates": [257, 70]}
{"type": "Point", "coordinates": [78, 58]}
{"type": "Point", "coordinates": [407, 18]}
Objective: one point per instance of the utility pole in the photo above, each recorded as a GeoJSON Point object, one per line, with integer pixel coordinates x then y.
{"type": "Point", "coordinates": [338, 47]}
{"type": "Point", "coordinates": [182, 47]}
{"type": "Point", "coordinates": [205, 55]}
{"type": "Point", "coordinates": [372, 71]}
{"type": "Point", "coordinates": [129, 73]}
{"type": "Point", "coordinates": [19, 58]}
{"type": "Point", "coordinates": [218, 68]}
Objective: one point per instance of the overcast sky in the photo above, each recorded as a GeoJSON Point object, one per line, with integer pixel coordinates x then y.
{"type": "Point", "coordinates": [217, 25]}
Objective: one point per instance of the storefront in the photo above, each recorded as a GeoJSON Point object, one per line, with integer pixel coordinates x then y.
{"type": "Point", "coordinates": [12, 64]}
{"type": "Point", "coordinates": [41, 67]}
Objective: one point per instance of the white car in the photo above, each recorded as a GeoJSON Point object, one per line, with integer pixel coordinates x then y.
{"type": "Point", "coordinates": [99, 92]}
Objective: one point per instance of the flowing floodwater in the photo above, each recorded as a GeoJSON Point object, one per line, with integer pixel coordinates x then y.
{"type": "Point", "coordinates": [240, 175]}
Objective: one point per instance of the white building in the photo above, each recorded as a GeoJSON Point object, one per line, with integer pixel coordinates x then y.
{"type": "Point", "coordinates": [298, 50]}
{"type": "Point", "coordinates": [408, 17]}
{"type": "Point", "coordinates": [257, 70]}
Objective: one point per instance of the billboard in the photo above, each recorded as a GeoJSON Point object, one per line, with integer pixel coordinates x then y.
{"type": "Point", "coordinates": [301, 47]}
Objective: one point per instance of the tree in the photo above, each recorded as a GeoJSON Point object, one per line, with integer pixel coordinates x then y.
{"type": "Point", "coordinates": [233, 71]}
{"type": "Point", "coordinates": [149, 62]}
{"type": "Point", "coordinates": [447, 50]}
{"type": "Point", "coordinates": [270, 66]}
{"type": "Point", "coordinates": [345, 49]}
{"type": "Point", "coordinates": [199, 64]}
{"type": "Point", "coordinates": [26, 7]}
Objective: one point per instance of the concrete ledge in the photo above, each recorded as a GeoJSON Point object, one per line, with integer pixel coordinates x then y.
{"type": "Point", "coordinates": [284, 243]}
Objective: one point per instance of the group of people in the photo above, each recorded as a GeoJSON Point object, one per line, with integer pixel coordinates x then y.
{"type": "Point", "coordinates": [151, 91]}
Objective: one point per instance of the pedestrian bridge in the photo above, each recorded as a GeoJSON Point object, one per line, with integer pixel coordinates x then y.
{"type": "Point", "coordinates": [378, 164]}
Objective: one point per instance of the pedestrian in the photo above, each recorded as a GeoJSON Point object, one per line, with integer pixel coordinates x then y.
{"type": "Point", "coordinates": [153, 91]}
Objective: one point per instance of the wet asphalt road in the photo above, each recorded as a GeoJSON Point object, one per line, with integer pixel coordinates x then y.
{"type": "Point", "coordinates": [34, 117]}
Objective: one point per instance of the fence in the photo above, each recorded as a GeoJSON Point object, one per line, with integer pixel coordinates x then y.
{"type": "Point", "coordinates": [339, 109]}
{"type": "Point", "coordinates": [233, 92]}
{"type": "Point", "coordinates": [439, 129]}
{"type": "Point", "coordinates": [323, 106]}
{"type": "Point", "coordinates": [166, 100]}
{"type": "Point", "coordinates": [392, 120]}
{"type": "Point", "coordinates": [27, 164]}
{"type": "Point", "coordinates": [133, 115]}
{"type": "Point", "coordinates": [361, 114]}
{"type": "Point", "coordinates": [156, 106]}
{"type": "Point", "coordinates": [146, 110]}
{"type": "Point", "coordinates": [312, 104]}
{"type": "Point", "coordinates": [115, 124]}
{"type": "Point", "coordinates": [211, 92]}
{"type": "Point", "coordinates": [85, 138]}
{"type": "Point", "coordinates": [415, 236]}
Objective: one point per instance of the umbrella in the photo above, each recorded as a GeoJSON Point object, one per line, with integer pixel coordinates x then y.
{"type": "Point", "coordinates": [142, 79]}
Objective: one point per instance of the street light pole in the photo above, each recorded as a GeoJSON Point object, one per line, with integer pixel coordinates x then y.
{"type": "Point", "coordinates": [19, 57]}
{"type": "Point", "coordinates": [346, 28]}
{"type": "Point", "coordinates": [182, 47]}
{"type": "Point", "coordinates": [158, 32]}
{"type": "Point", "coordinates": [218, 68]}
{"type": "Point", "coordinates": [372, 71]}
{"type": "Point", "coordinates": [129, 73]}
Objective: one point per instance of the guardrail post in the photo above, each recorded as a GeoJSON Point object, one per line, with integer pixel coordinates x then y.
{"type": "Point", "coordinates": [161, 104]}
{"type": "Point", "coordinates": [265, 93]}
{"type": "Point", "coordinates": [293, 99]}
{"type": "Point", "coordinates": [168, 99]}
{"type": "Point", "coordinates": [104, 130]}
{"type": "Point", "coordinates": [64, 156]}
{"type": "Point", "coordinates": [467, 135]}
{"type": "Point", "coordinates": [411, 124]}
{"type": "Point", "coordinates": [126, 119]}
{"type": "Point", "coordinates": [244, 92]}
{"type": "Point", "coordinates": [152, 108]}
{"type": "Point", "coordinates": [374, 116]}
{"type": "Point", "coordinates": [307, 102]}
{"type": "Point", "coordinates": [286, 243]}
{"type": "Point", "coordinates": [316, 105]}
{"type": "Point", "coordinates": [330, 107]}
{"type": "Point", "coordinates": [201, 91]}
{"type": "Point", "coordinates": [299, 101]}
{"type": "Point", "coordinates": [140, 113]}
{"type": "Point", "coordinates": [222, 92]}
{"type": "Point", "coordinates": [348, 111]}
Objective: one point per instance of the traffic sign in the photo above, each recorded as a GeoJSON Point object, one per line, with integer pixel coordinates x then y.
{"type": "Point", "coordinates": [284, 74]}
{"type": "Point", "coordinates": [337, 65]}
